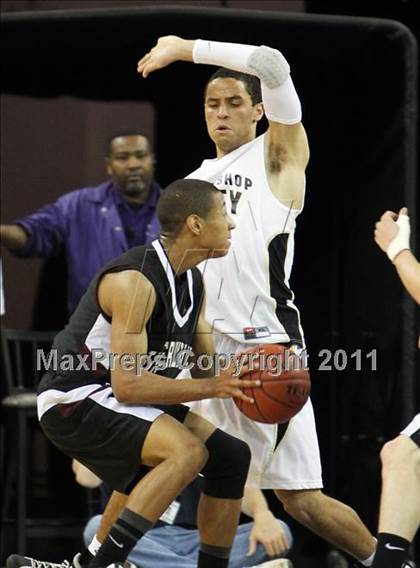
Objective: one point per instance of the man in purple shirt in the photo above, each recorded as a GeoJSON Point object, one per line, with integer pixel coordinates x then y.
{"type": "Point", "coordinates": [94, 224]}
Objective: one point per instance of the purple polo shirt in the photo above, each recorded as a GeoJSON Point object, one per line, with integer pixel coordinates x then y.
{"type": "Point", "coordinates": [89, 225]}
{"type": "Point", "coordinates": [134, 219]}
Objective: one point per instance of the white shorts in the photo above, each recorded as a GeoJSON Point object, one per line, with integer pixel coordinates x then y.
{"type": "Point", "coordinates": [294, 464]}
{"type": "Point", "coordinates": [413, 426]}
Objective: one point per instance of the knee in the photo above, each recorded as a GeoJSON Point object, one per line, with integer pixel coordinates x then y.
{"type": "Point", "coordinates": [240, 458]}
{"type": "Point", "coordinates": [195, 455]}
{"type": "Point", "coordinates": [399, 454]}
{"type": "Point", "coordinates": [301, 504]}
{"type": "Point", "coordinates": [236, 456]}
{"type": "Point", "coordinates": [227, 468]}
{"type": "Point", "coordinates": [387, 455]}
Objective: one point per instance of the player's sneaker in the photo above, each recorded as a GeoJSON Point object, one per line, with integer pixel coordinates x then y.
{"type": "Point", "coordinates": [77, 564]}
{"type": "Point", "coordinates": [76, 561]}
{"type": "Point", "coordinates": [335, 559]}
{"type": "Point", "coordinates": [275, 563]}
{"type": "Point", "coordinates": [17, 561]}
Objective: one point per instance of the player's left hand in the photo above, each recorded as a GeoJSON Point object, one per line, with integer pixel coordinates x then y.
{"type": "Point", "coordinates": [268, 531]}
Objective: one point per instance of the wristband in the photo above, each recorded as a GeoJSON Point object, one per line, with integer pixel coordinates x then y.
{"type": "Point", "coordinates": [402, 239]}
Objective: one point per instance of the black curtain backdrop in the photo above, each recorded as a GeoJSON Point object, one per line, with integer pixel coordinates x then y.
{"type": "Point", "coordinates": [357, 82]}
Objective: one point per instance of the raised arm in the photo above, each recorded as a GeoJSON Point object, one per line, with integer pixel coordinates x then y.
{"type": "Point", "coordinates": [286, 145]}
{"type": "Point", "coordinates": [392, 234]}
{"type": "Point", "coordinates": [129, 298]}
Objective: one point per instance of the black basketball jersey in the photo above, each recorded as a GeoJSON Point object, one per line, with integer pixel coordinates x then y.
{"type": "Point", "coordinates": [81, 356]}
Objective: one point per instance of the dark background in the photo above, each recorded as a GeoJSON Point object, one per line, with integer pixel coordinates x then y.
{"type": "Point", "coordinates": [357, 83]}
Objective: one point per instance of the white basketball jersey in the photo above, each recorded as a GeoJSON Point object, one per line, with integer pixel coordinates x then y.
{"type": "Point", "coordinates": [247, 291]}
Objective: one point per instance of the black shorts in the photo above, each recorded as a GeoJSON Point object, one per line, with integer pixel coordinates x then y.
{"type": "Point", "coordinates": [413, 430]}
{"type": "Point", "coordinates": [416, 437]}
{"type": "Point", "coordinates": [107, 438]}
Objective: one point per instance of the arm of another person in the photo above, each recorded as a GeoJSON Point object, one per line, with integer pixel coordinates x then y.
{"type": "Point", "coordinates": [128, 298]}
{"type": "Point", "coordinates": [392, 234]}
{"type": "Point", "coordinates": [41, 233]}
{"type": "Point", "coordinates": [266, 528]}
{"type": "Point", "coordinates": [408, 269]}
{"type": "Point", "coordinates": [286, 144]}
{"type": "Point", "coordinates": [13, 237]}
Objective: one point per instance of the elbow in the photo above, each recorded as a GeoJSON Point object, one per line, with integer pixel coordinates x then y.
{"type": "Point", "coordinates": [123, 399]}
{"type": "Point", "coordinates": [122, 392]}
{"type": "Point", "coordinates": [126, 391]}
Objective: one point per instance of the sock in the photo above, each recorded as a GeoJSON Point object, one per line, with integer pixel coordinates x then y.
{"type": "Point", "coordinates": [94, 546]}
{"type": "Point", "coordinates": [125, 533]}
{"type": "Point", "coordinates": [391, 552]}
{"type": "Point", "coordinates": [213, 556]}
{"type": "Point", "coordinates": [369, 561]}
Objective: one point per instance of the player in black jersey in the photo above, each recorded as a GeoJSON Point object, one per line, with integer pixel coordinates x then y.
{"type": "Point", "coordinates": [124, 421]}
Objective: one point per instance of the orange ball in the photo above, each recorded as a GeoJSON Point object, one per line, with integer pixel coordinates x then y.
{"type": "Point", "coordinates": [285, 385]}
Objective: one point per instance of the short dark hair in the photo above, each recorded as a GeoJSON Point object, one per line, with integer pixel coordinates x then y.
{"type": "Point", "coordinates": [252, 84]}
{"type": "Point", "coordinates": [182, 198]}
{"type": "Point", "coordinates": [110, 139]}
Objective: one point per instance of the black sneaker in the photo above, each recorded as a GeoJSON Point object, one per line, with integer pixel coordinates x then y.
{"type": "Point", "coordinates": [335, 559]}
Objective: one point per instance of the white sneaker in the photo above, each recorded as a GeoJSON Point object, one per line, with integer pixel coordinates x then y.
{"type": "Point", "coordinates": [275, 563]}
{"type": "Point", "coordinates": [17, 561]}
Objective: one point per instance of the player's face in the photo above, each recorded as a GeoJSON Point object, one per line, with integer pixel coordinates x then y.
{"type": "Point", "coordinates": [218, 226]}
{"type": "Point", "coordinates": [231, 117]}
{"type": "Point", "coordinates": [131, 166]}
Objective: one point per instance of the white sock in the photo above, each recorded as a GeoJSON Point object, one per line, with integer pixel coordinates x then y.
{"type": "Point", "coordinates": [94, 546]}
{"type": "Point", "coordinates": [369, 561]}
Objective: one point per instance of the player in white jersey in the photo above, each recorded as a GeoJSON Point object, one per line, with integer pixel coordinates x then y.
{"type": "Point", "coordinates": [249, 297]}
{"type": "Point", "coordinates": [399, 515]}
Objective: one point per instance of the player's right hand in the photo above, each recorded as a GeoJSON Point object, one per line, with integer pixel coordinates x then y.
{"type": "Point", "coordinates": [167, 50]}
{"type": "Point", "coordinates": [387, 228]}
{"type": "Point", "coordinates": [226, 385]}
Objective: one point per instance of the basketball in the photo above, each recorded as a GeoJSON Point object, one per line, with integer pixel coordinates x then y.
{"type": "Point", "coordinates": [285, 385]}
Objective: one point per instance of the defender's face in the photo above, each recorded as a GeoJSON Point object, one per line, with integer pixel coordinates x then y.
{"type": "Point", "coordinates": [218, 226]}
{"type": "Point", "coordinates": [131, 166]}
{"type": "Point", "coordinates": [231, 117]}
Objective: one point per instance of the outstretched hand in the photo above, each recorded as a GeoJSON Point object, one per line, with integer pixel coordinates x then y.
{"type": "Point", "coordinates": [167, 50]}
